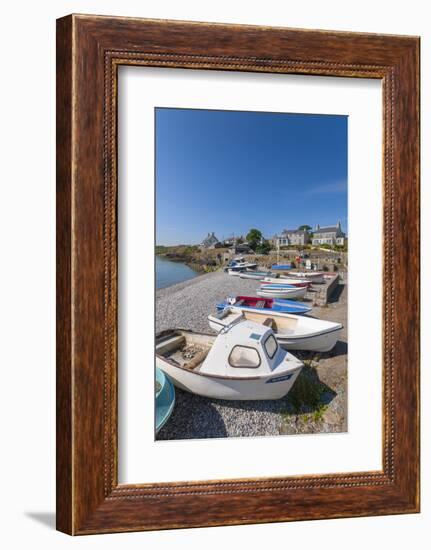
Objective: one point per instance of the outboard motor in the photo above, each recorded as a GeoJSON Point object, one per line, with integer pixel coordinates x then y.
{"type": "Point", "coordinates": [231, 300]}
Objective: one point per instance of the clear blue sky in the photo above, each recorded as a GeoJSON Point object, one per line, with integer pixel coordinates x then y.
{"type": "Point", "coordinates": [229, 171]}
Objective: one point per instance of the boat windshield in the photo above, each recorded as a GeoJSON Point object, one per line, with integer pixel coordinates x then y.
{"type": "Point", "coordinates": [244, 357]}
{"type": "Point", "coordinates": [271, 346]}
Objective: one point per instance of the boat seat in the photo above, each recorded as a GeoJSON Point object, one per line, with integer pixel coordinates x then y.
{"type": "Point", "coordinates": [197, 359]}
{"type": "Point", "coordinates": [260, 304]}
{"type": "Point", "coordinates": [268, 322]}
{"type": "Point", "coordinates": [170, 344]}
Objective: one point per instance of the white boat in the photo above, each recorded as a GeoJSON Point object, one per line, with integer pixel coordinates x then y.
{"type": "Point", "coordinates": [258, 275]}
{"type": "Point", "coordinates": [243, 362]}
{"type": "Point", "coordinates": [234, 272]}
{"type": "Point", "coordinates": [286, 281]}
{"type": "Point", "coordinates": [240, 264]}
{"type": "Point", "coordinates": [293, 332]}
{"type": "Point", "coordinates": [312, 276]}
{"type": "Point", "coordinates": [282, 291]}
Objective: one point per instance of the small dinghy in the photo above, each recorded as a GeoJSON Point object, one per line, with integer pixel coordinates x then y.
{"type": "Point", "coordinates": [293, 332]}
{"type": "Point", "coordinates": [265, 304]}
{"type": "Point", "coordinates": [165, 399]}
{"type": "Point", "coordinates": [244, 362]}
{"type": "Point", "coordinates": [259, 275]}
{"type": "Point", "coordinates": [312, 276]}
{"type": "Point", "coordinates": [282, 291]}
{"type": "Point", "coordinates": [286, 281]}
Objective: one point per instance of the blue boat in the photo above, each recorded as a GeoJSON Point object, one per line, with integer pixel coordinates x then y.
{"type": "Point", "coordinates": [265, 304]}
{"type": "Point", "coordinates": [282, 267]}
{"type": "Point", "coordinates": [165, 399]}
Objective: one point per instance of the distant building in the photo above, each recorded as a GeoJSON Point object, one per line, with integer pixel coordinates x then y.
{"type": "Point", "coordinates": [210, 241]}
{"type": "Point", "coordinates": [298, 237]}
{"type": "Point", "coordinates": [329, 235]}
{"type": "Point", "coordinates": [233, 241]}
{"type": "Point", "coordinates": [242, 249]}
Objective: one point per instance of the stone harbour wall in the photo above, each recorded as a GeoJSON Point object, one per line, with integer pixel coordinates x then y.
{"type": "Point", "coordinates": [321, 296]}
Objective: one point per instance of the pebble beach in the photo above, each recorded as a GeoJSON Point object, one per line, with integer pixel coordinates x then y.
{"type": "Point", "coordinates": [187, 305]}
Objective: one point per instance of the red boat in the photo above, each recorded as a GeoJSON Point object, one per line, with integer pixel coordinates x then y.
{"type": "Point", "coordinates": [265, 304]}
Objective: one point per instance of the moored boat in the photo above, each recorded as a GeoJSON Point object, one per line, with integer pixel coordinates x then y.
{"type": "Point", "coordinates": [243, 362]}
{"type": "Point", "coordinates": [293, 332]}
{"type": "Point", "coordinates": [254, 274]}
{"type": "Point", "coordinates": [165, 399]}
{"type": "Point", "coordinates": [282, 291]}
{"type": "Point", "coordinates": [286, 281]}
{"type": "Point", "coordinates": [282, 267]}
{"type": "Point", "coordinates": [240, 264]}
{"type": "Point", "coordinates": [265, 304]}
{"type": "Point", "coordinates": [312, 276]}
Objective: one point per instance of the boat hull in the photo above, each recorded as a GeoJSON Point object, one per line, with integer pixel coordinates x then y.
{"type": "Point", "coordinates": [290, 294]}
{"type": "Point", "coordinates": [251, 275]}
{"type": "Point", "coordinates": [241, 266]}
{"type": "Point", "coordinates": [321, 342]}
{"type": "Point", "coordinates": [311, 277]}
{"type": "Point", "coordinates": [271, 305]}
{"type": "Point", "coordinates": [285, 281]}
{"type": "Point", "coordinates": [319, 336]}
{"type": "Point", "coordinates": [281, 267]}
{"type": "Point", "coordinates": [286, 307]}
{"type": "Point", "coordinates": [268, 387]}
{"type": "Point", "coordinates": [165, 399]}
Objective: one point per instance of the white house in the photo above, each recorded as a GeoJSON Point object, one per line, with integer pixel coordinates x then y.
{"type": "Point", "coordinates": [299, 237]}
{"type": "Point", "coordinates": [331, 235]}
{"type": "Point", "coordinates": [210, 241]}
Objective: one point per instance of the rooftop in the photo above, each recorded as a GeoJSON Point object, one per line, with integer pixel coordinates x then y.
{"type": "Point", "coordinates": [329, 229]}
{"type": "Point", "coordinates": [296, 231]}
{"type": "Point", "coordinates": [210, 239]}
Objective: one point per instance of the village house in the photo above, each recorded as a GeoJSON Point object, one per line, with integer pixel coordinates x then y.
{"type": "Point", "coordinates": [210, 241]}
{"type": "Point", "coordinates": [233, 241]}
{"type": "Point", "coordinates": [298, 237]}
{"type": "Point", "coordinates": [328, 235]}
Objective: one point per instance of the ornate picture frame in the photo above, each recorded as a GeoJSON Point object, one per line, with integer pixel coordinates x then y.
{"type": "Point", "coordinates": [89, 51]}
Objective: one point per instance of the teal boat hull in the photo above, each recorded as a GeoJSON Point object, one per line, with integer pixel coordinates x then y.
{"type": "Point", "coordinates": [165, 399]}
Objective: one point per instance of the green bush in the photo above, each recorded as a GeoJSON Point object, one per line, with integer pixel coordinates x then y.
{"type": "Point", "coordinates": [263, 248]}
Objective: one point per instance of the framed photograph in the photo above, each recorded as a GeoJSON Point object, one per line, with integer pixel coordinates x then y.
{"type": "Point", "coordinates": [237, 274]}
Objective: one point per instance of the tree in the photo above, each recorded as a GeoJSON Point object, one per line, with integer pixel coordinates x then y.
{"type": "Point", "coordinates": [304, 228]}
{"type": "Point", "coordinates": [264, 247]}
{"type": "Point", "coordinates": [254, 238]}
